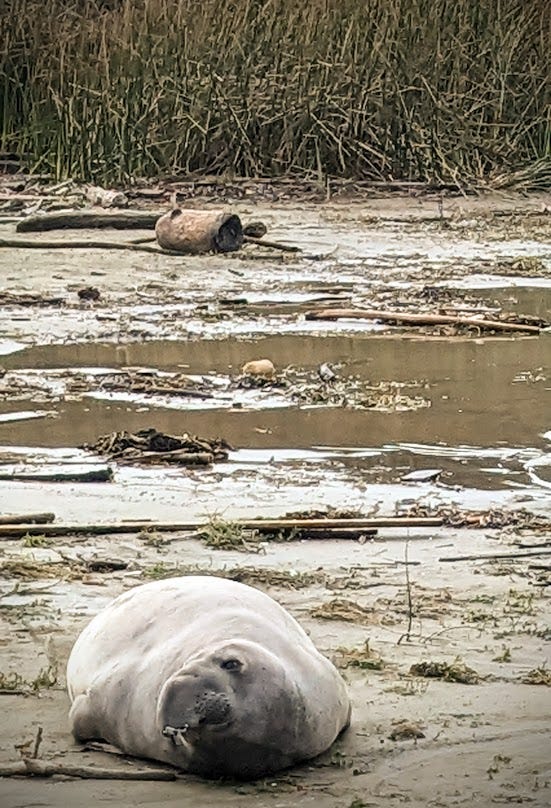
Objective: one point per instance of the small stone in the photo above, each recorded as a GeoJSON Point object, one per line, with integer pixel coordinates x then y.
{"type": "Point", "coordinates": [259, 367]}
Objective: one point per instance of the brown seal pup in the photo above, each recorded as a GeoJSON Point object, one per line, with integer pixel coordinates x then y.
{"type": "Point", "coordinates": [207, 674]}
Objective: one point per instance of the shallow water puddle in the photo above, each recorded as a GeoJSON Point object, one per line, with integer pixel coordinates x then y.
{"type": "Point", "coordinates": [485, 426]}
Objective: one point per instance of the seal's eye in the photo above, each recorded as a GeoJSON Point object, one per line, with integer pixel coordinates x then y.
{"type": "Point", "coordinates": [231, 665]}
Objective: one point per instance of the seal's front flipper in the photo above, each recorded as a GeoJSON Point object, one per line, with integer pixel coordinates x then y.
{"type": "Point", "coordinates": [82, 721]}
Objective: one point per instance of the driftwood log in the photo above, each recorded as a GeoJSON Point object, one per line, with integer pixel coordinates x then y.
{"type": "Point", "coordinates": [27, 518]}
{"type": "Point", "coordinates": [261, 525]}
{"type": "Point", "coordinates": [199, 231]}
{"type": "Point", "coordinates": [87, 220]}
{"type": "Point", "coordinates": [103, 475]}
{"type": "Point", "coordinates": [419, 319]}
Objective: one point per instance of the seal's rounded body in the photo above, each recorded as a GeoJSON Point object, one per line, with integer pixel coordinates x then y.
{"type": "Point", "coordinates": [207, 674]}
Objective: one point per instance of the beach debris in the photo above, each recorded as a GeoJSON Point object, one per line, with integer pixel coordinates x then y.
{"type": "Point", "coordinates": [363, 658]}
{"type": "Point", "coordinates": [27, 518]}
{"type": "Point", "coordinates": [326, 373]}
{"type": "Point", "coordinates": [343, 609]}
{"type": "Point", "coordinates": [454, 672]}
{"type": "Point", "coordinates": [406, 730]}
{"type": "Point", "coordinates": [105, 198]}
{"type": "Point", "coordinates": [255, 229]}
{"type": "Point", "coordinates": [152, 446]}
{"type": "Point", "coordinates": [537, 676]}
{"type": "Point", "coordinates": [28, 299]}
{"type": "Point", "coordinates": [497, 518]}
{"type": "Point", "coordinates": [89, 293]}
{"type": "Point", "coordinates": [408, 318]}
{"type": "Point", "coordinates": [149, 382]}
{"type": "Point", "coordinates": [88, 220]}
{"type": "Point", "coordinates": [271, 529]}
{"type": "Point", "coordinates": [421, 475]}
{"type": "Point", "coordinates": [199, 231]}
{"type": "Point", "coordinates": [100, 475]}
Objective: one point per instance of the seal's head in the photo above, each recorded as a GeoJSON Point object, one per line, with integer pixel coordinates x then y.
{"type": "Point", "coordinates": [230, 710]}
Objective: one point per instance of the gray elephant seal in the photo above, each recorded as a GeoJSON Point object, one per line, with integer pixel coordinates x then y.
{"type": "Point", "coordinates": [207, 674]}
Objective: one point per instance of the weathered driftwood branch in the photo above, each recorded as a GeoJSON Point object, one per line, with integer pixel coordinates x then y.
{"type": "Point", "coordinates": [262, 525]}
{"type": "Point", "coordinates": [276, 245]}
{"type": "Point", "coordinates": [28, 244]}
{"type": "Point", "coordinates": [334, 533]}
{"type": "Point", "coordinates": [27, 518]}
{"type": "Point", "coordinates": [38, 768]}
{"type": "Point", "coordinates": [181, 458]}
{"type": "Point", "coordinates": [96, 476]}
{"type": "Point", "coordinates": [418, 319]}
{"type": "Point", "coordinates": [496, 556]}
{"type": "Point", "coordinates": [87, 220]}
{"type": "Point", "coordinates": [180, 231]}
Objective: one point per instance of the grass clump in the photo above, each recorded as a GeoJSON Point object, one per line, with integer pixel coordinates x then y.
{"type": "Point", "coordinates": [14, 682]}
{"type": "Point", "coordinates": [342, 609]}
{"type": "Point", "coordinates": [30, 570]}
{"type": "Point", "coordinates": [11, 681]}
{"type": "Point", "coordinates": [37, 541]}
{"type": "Point", "coordinates": [254, 576]}
{"type": "Point", "coordinates": [280, 579]}
{"type": "Point", "coordinates": [538, 676]}
{"type": "Point", "coordinates": [363, 658]}
{"type": "Point", "coordinates": [225, 535]}
{"type": "Point", "coordinates": [451, 90]}
{"type": "Point", "coordinates": [455, 672]}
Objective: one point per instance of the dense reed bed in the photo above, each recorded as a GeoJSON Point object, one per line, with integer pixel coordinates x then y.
{"type": "Point", "coordinates": [431, 90]}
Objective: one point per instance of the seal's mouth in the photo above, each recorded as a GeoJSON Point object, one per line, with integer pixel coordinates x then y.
{"type": "Point", "coordinates": [186, 735]}
{"type": "Point", "coordinates": [180, 736]}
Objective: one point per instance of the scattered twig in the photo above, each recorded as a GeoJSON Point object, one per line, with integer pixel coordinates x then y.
{"type": "Point", "coordinates": [9, 692]}
{"type": "Point", "coordinates": [489, 556]}
{"type": "Point", "coordinates": [37, 742]}
{"type": "Point", "coordinates": [276, 245]}
{"type": "Point", "coordinates": [27, 244]}
{"type": "Point", "coordinates": [407, 635]}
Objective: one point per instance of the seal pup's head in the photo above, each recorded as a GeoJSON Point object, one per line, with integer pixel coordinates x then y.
{"type": "Point", "coordinates": [232, 710]}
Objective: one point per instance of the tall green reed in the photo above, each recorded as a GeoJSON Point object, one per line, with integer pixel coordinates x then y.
{"type": "Point", "coordinates": [446, 90]}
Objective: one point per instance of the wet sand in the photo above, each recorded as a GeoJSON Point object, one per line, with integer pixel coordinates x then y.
{"type": "Point", "coordinates": [486, 427]}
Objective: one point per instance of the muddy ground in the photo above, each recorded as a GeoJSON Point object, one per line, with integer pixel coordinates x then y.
{"type": "Point", "coordinates": [474, 407]}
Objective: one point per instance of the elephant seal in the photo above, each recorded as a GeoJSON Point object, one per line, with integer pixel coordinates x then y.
{"type": "Point", "coordinates": [207, 674]}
